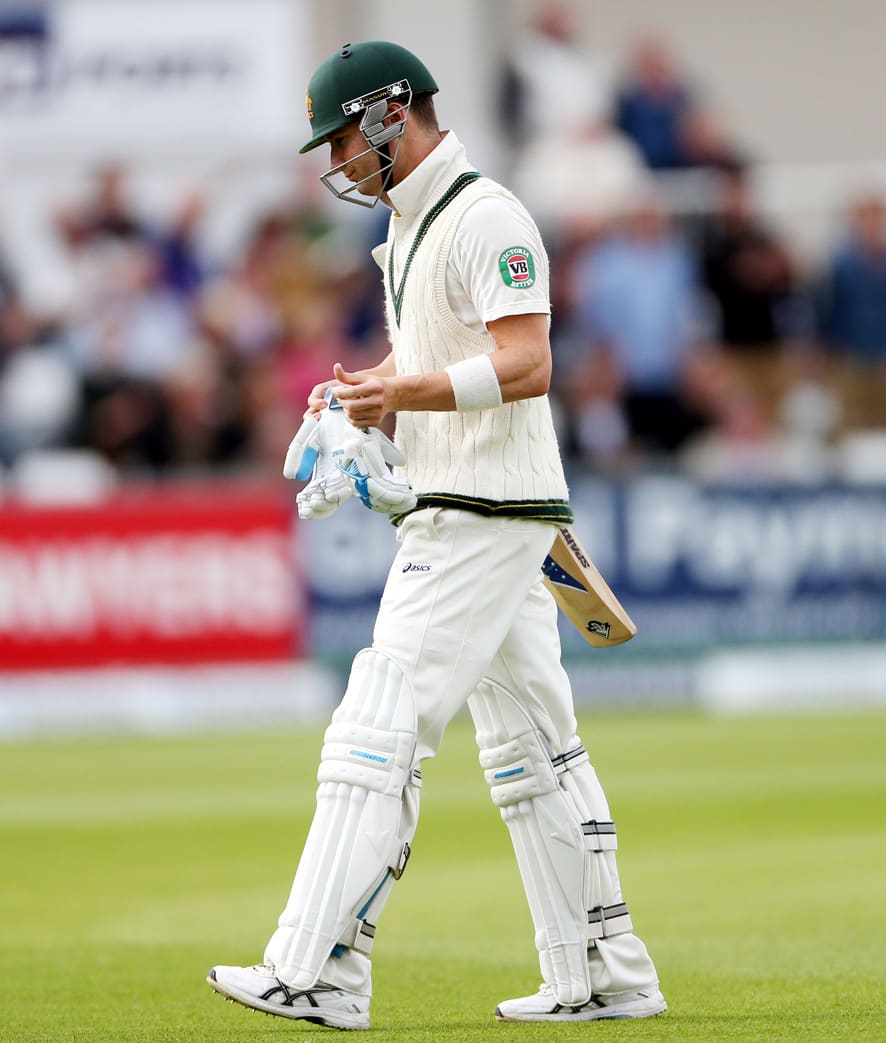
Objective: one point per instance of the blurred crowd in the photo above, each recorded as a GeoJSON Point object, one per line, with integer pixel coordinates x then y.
{"type": "Point", "coordinates": [685, 337]}
{"type": "Point", "coordinates": [687, 332]}
{"type": "Point", "coordinates": [158, 359]}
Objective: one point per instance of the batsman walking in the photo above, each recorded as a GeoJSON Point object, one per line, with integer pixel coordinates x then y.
{"type": "Point", "coordinates": [465, 617]}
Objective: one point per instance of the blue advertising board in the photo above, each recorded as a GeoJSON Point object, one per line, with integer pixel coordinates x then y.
{"type": "Point", "coordinates": [695, 565]}
{"type": "Point", "coordinates": [699, 565]}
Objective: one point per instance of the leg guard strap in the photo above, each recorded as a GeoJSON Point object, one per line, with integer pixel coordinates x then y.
{"type": "Point", "coordinates": [608, 920]}
{"type": "Point", "coordinates": [360, 936]}
{"type": "Point", "coordinates": [569, 760]}
{"type": "Point", "coordinates": [600, 836]}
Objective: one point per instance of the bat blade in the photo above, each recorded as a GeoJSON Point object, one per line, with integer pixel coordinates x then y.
{"type": "Point", "coordinates": [582, 594]}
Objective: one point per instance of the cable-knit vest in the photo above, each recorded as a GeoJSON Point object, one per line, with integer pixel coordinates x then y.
{"type": "Point", "coordinates": [496, 461]}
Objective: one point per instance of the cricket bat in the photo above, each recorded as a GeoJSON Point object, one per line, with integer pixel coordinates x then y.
{"type": "Point", "coordinates": [583, 595]}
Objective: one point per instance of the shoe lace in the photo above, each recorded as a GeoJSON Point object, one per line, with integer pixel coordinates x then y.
{"type": "Point", "coordinates": [545, 990]}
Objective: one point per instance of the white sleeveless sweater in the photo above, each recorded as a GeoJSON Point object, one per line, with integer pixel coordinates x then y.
{"type": "Point", "coordinates": [496, 461]}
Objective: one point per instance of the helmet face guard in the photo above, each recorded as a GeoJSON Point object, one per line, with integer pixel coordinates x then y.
{"type": "Point", "coordinates": [374, 108]}
{"type": "Point", "coordinates": [359, 83]}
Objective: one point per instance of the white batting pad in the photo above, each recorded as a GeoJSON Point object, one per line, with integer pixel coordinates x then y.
{"type": "Point", "coordinates": [546, 834]}
{"type": "Point", "coordinates": [618, 959]}
{"type": "Point", "coordinates": [367, 811]}
{"type": "Point", "coordinates": [563, 838]}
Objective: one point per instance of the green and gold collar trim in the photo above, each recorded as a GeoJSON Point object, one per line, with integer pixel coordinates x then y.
{"type": "Point", "coordinates": [462, 181]}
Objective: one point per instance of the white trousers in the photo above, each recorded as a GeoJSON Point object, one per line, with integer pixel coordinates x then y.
{"type": "Point", "coordinates": [465, 600]}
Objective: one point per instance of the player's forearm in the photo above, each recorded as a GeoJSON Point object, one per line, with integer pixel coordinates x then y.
{"type": "Point", "coordinates": [518, 378]}
{"type": "Point", "coordinates": [518, 374]}
{"type": "Point", "coordinates": [519, 368]}
{"type": "Point", "coordinates": [421, 391]}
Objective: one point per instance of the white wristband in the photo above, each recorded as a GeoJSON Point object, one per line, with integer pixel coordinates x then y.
{"type": "Point", "coordinates": [475, 384]}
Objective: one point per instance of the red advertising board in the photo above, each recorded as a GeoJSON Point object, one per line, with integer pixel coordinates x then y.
{"type": "Point", "coordinates": [182, 576]}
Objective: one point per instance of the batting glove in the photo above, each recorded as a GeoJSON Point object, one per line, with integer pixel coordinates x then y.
{"type": "Point", "coordinates": [365, 462]}
{"type": "Point", "coordinates": [315, 454]}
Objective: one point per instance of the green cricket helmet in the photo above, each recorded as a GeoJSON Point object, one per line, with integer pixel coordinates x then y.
{"type": "Point", "coordinates": [357, 83]}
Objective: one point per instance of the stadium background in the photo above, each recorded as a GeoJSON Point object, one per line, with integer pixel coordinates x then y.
{"type": "Point", "coordinates": [172, 277]}
{"type": "Point", "coordinates": [173, 280]}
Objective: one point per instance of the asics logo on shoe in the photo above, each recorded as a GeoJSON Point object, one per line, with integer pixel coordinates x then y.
{"type": "Point", "coordinates": [289, 996]}
{"type": "Point", "coordinates": [410, 567]}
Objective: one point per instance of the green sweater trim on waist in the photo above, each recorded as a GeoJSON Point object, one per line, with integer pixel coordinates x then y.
{"type": "Point", "coordinates": [557, 512]}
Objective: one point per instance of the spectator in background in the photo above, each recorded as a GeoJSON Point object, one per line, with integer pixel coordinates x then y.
{"type": "Point", "coordinates": [654, 105]}
{"type": "Point", "coordinates": [39, 394]}
{"type": "Point", "coordinates": [578, 179]}
{"type": "Point", "coordinates": [709, 143]}
{"type": "Point", "coordinates": [635, 298]}
{"type": "Point", "coordinates": [548, 83]}
{"type": "Point", "coordinates": [749, 272]}
{"type": "Point", "coordinates": [127, 331]}
{"type": "Point", "coordinates": [854, 299]}
{"type": "Point", "coordinates": [130, 339]}
{"type": "Point", "coordinates": [133, 326]}
{"type": "Point", "coordinates": [853, 311]}
{"type": "Point", "coordinates": [7, 286]}
{"type": "Point", "coordinates": [125, 312]}
{"type": "Point", "coordinates": [239, 307]}
{"type": "Point", "coordinates": [108, 213]}
{"type": "Point", "coordinates": [181, 267]}
{"type": "Point", "coordinates": [588, 389]}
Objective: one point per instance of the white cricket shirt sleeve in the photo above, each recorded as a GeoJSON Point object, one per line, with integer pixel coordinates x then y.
{"type": "Point", "coordinates": [497, 265]}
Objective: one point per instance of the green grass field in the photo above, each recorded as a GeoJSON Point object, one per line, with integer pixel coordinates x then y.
{"type": "Point", "coordinates": [753, 856]}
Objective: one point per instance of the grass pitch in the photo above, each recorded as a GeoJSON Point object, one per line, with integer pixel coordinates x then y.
{"type": "Point", "coordinates": [753, 857]}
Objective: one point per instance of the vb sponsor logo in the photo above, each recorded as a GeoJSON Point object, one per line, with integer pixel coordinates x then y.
{"type": "Point", "coordinates": [517, 268]}
{"type": "Point", "coordinates": [412, 567]}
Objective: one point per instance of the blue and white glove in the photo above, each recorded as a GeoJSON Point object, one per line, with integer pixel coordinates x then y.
{"type": "Point", "coordinates": [365, 461]}
{"type": "Point", "coordinates": [338, 460]}
{"type": "Point", "coordinates": [315, 454]}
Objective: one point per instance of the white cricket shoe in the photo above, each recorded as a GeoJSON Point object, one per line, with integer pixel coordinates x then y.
{"type": "Point", "coordinates": [259, 988]}
{"type": "Point", "coordinates": [543, 1006]}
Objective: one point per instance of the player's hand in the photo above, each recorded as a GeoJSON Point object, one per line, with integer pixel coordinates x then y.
{"type": "Point", "coordinates": [317, 400]}
{"type": "Point", "coordinates": [363, 396]}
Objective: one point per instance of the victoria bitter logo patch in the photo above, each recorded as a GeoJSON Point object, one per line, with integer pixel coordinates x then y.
{"type": "Point", "coordinates": [517, 268]}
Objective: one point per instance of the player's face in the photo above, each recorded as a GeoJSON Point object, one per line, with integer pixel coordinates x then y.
{"type": "Point", "coordinates": [351, 156]}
